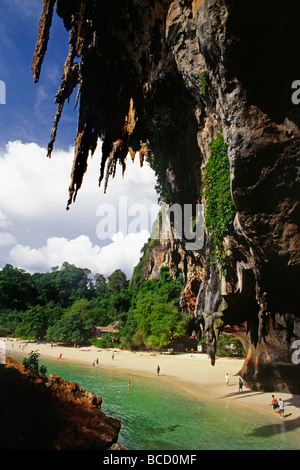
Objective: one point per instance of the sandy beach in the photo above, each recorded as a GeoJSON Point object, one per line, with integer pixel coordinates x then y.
{"type": "Point", "coordinates": [191, 372]}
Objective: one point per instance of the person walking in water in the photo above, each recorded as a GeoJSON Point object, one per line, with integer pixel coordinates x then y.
{"type": "Point", "coordinates": [158, 370]}
{"type": "Point", "coordinates": [227, 379]}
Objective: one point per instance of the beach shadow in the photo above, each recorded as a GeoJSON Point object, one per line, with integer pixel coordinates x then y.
{"type": "Point", "coordinates": [244, 394]}
{"type": "Point", "coordinates": [293, 401]}
{"type": "Point", "coordinates": [282, 426]}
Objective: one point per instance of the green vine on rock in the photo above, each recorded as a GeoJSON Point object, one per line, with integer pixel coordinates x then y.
{"type": "Point", "coordinates": [219, 204]}
{"type": "Point", "coordinates": [203, 82]}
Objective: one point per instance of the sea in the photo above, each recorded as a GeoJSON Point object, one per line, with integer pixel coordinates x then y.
{"type": "Point", "coordinates": [158, 416]}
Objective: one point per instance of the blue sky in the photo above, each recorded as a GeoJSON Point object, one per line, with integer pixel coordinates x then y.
{"type": "Point", "coordinates": [36, 231]}
{"type": "Point", "coordinates": [30, 107]}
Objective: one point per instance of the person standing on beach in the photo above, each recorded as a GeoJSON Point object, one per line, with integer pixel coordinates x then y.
{"type": "Point", "coordinates": [227, 379]}
{"type": "Point", "coordinates": [158, 370]}
{"type": "Point", "coordinates": [274, 403]}
{"type": "Point", "coordinates": [281, 408]}
{"type": "Point", "coordinates": [241, 383]}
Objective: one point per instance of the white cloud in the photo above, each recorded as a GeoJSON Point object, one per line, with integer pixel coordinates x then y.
{"type": "Point", "coordinates": [7, 239]}
{"type": "Point", "coordinates": [4, 221]}
{"type": "Point", "coordinates": [33, 186]}
{"type": "Point", "coordinates": [33, 197]}
{"type": "Point", "coordinates": [123, 252]}
{"type": "Point", "coordinates": [30, 183]}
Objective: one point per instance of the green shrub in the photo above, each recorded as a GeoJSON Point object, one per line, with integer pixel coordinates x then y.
{"type": "Point", "coordinates": [31, 364]}
{"type": "Point", "coordinates": [105, 341]}
{"type": "Point", "coordinates": [229, 346]}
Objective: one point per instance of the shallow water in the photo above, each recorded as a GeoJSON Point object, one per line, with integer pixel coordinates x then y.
{"type": "Point", "coordinates": [157, 416]}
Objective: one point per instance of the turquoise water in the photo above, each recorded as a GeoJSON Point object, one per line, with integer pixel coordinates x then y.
{"type": "Point", "coordinates": [156, 416]}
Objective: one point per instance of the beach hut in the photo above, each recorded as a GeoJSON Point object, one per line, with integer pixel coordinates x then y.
{"type": "Point", "coordinates": [113, 329]}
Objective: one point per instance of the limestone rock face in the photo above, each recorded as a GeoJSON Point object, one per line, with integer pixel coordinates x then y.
{"type": "Point", "coordinates": [250, 68]}
{"type": "Point", "coordinates": [160, 79]}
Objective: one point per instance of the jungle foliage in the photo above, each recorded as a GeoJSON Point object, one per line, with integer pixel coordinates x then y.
{"type": "Point", "coordinates": [65, 305]}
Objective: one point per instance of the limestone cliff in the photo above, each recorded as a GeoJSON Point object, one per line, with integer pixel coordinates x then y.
{"type": "Point", "coordinates": [50, 414]}
{"type": "Point", "coordinates": [160, 78]}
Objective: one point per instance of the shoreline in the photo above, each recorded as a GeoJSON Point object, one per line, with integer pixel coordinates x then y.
{"type": "Point", "coordinates": [190, 372]}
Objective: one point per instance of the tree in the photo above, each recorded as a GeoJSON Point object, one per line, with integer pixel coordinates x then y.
{"type": "Point", "coordinates": [71, 282]}
{"type": "Point", "coordinates": [80, 306]}
{"type": "Point", "coordinates": [117, 281]}
{"type": "Point", "coordinates": [100, 285]}
{"type": "Point", "coordinates": [36, 319]}
{"type": "Point", "coordinates": [169, 288]}
{"type": "Point", "coordinates": [17, 291]}
{"type": "Point", "coordinates": [119, 303]}
{"type": "Point", "coordinates": [34, 323]}
{"type": "Point", "coordinates": [127, 335]}
{"type": "Point", "coordinates": [9, 321]}
{"type": "Point", "coordinates": [158, 321]}
{"type": "Point", "coordinates": [71, 328]}
{"type": "Point", "coordinates": [153, 318]}
{"type": "Point", "coordinates": [99, 312]}
{"type": "Point", "coordinates": [63, 286]}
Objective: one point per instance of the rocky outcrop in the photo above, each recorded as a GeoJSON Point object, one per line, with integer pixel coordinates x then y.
{"type": "Point", "coordinates": [240, 47]}
{"type": "Point", "coordinates": [50, 414]}
{"type": "Point", "coordinates": [160, 79]}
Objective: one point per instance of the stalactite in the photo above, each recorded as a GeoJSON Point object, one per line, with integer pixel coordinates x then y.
{"type": "Point", "coordinates": [43, 38]}
{"type": "Point", "coordinates": [83, 19]}
{"type": "Point", "coordinates": [70, 79]}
